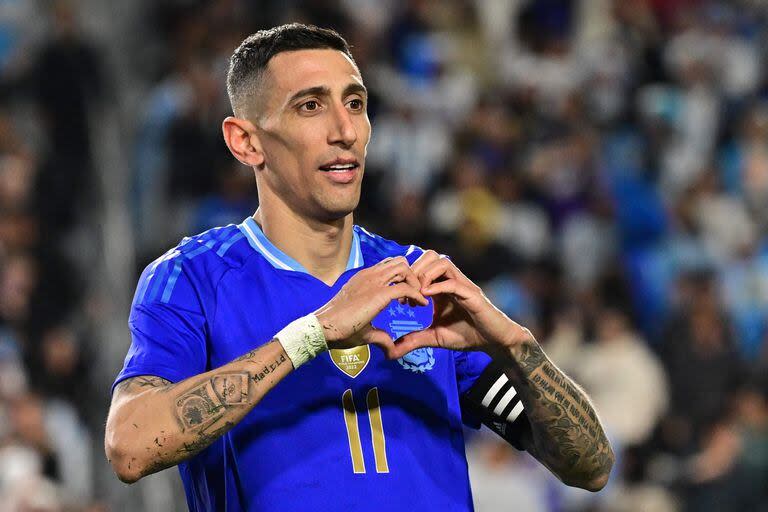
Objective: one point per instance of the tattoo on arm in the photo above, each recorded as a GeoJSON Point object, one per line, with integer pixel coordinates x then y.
{"type": "Point", "coordinates": [207, 402]}
{"type": "Point", "coordinates": [141, 383]}
{"type": "Point", "coordinates": [174, 421]}
{"type": "Point", "coordinates": [571, 441]}
{"type": "Point", "coordinates": [205, 410]}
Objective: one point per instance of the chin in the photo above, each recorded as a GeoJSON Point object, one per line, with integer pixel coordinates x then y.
{"type": "Point", "coordinates": [337, 211]}
{"type": "Point", "coordinates": [335, 208]}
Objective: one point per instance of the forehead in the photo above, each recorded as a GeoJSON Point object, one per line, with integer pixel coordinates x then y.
{"type": "Point", "coordinates": [293, 71]}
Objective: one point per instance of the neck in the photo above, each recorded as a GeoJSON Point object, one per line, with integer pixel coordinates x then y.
{"type": "Point", "coordinates": [320, 247]}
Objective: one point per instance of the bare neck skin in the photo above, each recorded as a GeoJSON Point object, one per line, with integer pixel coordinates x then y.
{"type": "Point", "coordinates": [321, 248]}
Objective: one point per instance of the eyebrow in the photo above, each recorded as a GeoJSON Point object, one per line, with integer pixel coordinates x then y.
{"type": "Point", "coordinates": [322, 90]}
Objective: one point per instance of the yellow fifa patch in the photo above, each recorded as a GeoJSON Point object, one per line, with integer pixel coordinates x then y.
{"type": "Point", "coordinates": [351, 361]}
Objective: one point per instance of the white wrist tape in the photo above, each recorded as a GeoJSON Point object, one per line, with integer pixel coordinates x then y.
{"type": "Point", "coordinates": [302, 339]}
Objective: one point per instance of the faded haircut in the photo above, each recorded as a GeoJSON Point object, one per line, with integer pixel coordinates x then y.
{"type": "Point", "coordinates": [250, 59]}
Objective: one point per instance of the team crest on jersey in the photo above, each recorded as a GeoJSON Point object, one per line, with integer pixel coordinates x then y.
{"type": "Point", "coordinates": [351, 361]}
{"type": "Point", "coordinates": [400, 319]}
{"type": "Point", "coordinates": [419, 360]}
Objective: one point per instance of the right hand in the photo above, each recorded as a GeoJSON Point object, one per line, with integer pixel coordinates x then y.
{"type": "Point", "coordinates": [346, 318]}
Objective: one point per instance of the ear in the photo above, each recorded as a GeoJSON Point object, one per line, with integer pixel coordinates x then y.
{"type": "Point", "coordinates": [242, 141]}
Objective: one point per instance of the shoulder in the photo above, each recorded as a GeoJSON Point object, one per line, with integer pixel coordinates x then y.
{"type": "Point", "coordinates": [375, 247]}
{"type": "Point", "coordinates": [196, 263]}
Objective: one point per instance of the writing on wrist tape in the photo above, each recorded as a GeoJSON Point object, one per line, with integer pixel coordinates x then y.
{"type": "Point", "coordinates": [302, 339]}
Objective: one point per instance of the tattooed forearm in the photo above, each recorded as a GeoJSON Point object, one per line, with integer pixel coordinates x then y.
{"type": "Point", "coordinates": [567, 435]}
{"type": "Point", "coordinates": [172, 422]}
{"type": "Point", "coordinates": [210, 400]}
{"type": "Point", "coordinates": [211, 408]}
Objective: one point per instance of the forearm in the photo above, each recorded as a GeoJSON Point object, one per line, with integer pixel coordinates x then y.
{"type": "Point", "coordinates": [567, 436]}
{"type": "Point", "coordinates": [167, 423]}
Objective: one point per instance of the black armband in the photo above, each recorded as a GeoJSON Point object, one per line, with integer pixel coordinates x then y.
{"type": "Point", "coordinates": [496, 402]}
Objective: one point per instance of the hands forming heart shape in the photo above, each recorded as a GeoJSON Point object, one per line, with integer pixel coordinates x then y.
{"type": "Point", "coordinates": [463, 317]}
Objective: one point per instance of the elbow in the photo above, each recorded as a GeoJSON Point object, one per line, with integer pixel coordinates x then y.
{"type": "Point", "coordinates": [597, 483]}
{"type": "Point", "coordinates": [598, 477]}
{"type": "Point", "coordinates": [126, 468]}
{"type": "Point", "coordinates": [593, 484]}
{"type": "Point", "coordinates": [595, 478]}
{"type": "Point", "coordinates": [124, 464]}
{"type": "Point", "coordinates": [127, 476]}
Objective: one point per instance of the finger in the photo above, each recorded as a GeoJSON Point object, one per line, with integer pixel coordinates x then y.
{"type": "Point", "coordinates": [406, 274]}
{"type": "Point", "coordinates": [440, 268]}
{"type": "Point", "coordinates": [378, 266]}
{"type": "Point", "coordinates": [424, 261]}
{"type": "Point", "coordinates": [412, 280]}
{"type": "Point", "coordinates": [412, 341]}
{"type": "Point", "coordinates": [395, 273]}
{"type": "Point", "coordinates": [379, 338]}
{"type": "Point", "coordinates": [391, 260]}
{"type": "Point", "coordinates": [402, 272]}
{"type": "Point", "coordinates": [404, 290]}
{"type": "Point", "coordinates": [449, 286]}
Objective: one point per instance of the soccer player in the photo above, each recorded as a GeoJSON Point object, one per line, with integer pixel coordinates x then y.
{"type": "Point", "coordinates": [251, 366]}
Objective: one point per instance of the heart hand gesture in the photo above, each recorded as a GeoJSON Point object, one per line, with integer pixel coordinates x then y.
{"type": "Point", "coordinates": [464, 318]}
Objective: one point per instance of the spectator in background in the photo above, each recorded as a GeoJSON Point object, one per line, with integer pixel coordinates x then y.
{"type": "Point", "coordinates": [745, 163]}
{"type": "Point", "coordinates": [702, 363]}
{"type": "Point", "coordinates": [231, 202]}
{"type": "Point", "coordinates": [500, 476]}
{"type": "Point", "coordinates": [467, 214]}
{"type": "Point", "coordinates": [67, 85]}
{"type": "Point", "coordinates": [730, 470]}
{"type": "Point", "coordinates": [626, 379]}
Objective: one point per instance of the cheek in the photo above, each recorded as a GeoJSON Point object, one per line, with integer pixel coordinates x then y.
{"type": "Point", "coordinates": [364, 132]}
{"type": "Point", "coordinates": [310, 151]}
{"type": "Point", "coordinates": [292, 157]}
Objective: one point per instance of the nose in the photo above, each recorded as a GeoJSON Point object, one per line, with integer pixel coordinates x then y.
{"type": "Point", "coordinates": [343, 132]}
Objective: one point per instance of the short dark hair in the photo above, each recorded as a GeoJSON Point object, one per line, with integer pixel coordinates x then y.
{"type": "Point", "coordinates": [250, 59]}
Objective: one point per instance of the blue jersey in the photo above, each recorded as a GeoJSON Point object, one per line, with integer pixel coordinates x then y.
{"type": "Point", "coordinates": [350, 430]}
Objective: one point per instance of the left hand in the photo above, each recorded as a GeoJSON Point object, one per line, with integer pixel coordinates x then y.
{"type": "Point", "coordinates": [464, 318]}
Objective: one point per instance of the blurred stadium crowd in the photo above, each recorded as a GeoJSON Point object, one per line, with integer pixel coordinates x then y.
{"type": "Point", "coordinates": [599, 166]}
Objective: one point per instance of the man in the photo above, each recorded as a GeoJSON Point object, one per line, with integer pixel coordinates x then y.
{"type": "Point", "coordinates": [250, 365]}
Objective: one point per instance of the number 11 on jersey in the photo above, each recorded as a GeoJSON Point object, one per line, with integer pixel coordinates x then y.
{"type": "Point", "coordinates": [377, 431]}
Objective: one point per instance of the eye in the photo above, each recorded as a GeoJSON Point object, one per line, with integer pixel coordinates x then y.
{"type": "Point", "coordinates": [309, 106]}
{"type": "Point", "coordinates": [356, 104]}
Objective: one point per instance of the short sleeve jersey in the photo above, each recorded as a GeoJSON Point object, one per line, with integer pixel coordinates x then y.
{"type": "Point", "coordinates": [350, 430]}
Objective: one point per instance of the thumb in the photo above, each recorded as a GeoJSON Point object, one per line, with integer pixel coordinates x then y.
{"type": "Point", "coordinates": [381, 339]}
{"type": "Point", "coordinates": [412, 341]}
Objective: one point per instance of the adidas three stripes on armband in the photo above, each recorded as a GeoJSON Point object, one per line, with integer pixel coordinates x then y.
{"type": "Point", "coordinates": [497, 403]}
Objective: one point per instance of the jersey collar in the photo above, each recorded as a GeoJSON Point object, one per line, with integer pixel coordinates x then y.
{"type": "Point", "coordinates": [279, 259]}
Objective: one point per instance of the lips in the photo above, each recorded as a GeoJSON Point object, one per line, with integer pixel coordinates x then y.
{"type": "Point", "coordinates": [341, 170]}
{"type": "Point", "coordinates": [340, 165]}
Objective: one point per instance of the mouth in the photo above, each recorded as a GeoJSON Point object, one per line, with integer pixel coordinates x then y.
{"type": "Point", "coordinates": [341, 170]}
